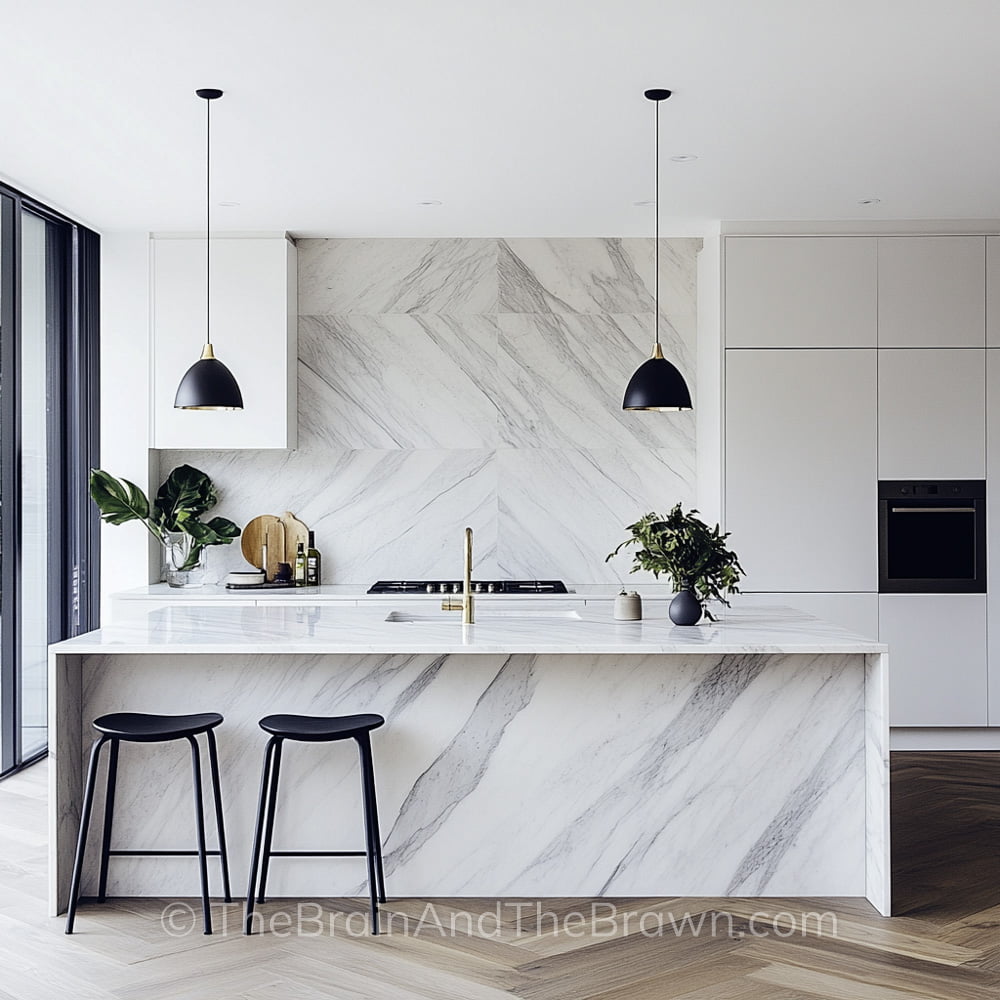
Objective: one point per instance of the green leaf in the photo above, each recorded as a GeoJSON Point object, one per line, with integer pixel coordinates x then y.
{"type": "Point", "coordinates": [185, 496]}
{"type": "Point", "coordinates": [686, 549]}
{"type": "Point", "coordinates": [118, 500]}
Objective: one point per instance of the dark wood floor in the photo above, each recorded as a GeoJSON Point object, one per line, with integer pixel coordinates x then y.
{"type": "Point", "coordinates": [943, 945]}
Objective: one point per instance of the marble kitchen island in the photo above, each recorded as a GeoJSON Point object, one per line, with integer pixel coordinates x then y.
{"type": "Point", "coordinates": [540, 752]}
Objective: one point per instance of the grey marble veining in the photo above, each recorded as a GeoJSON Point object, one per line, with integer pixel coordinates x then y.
{"type": "Point", "coordinates": [562, 511]}
{"type": "Point", "coordinates": [452, 382]}
{"type": "Point", "coordinates": [397, 276]}
{"type": "Point", "coordinates": [562, 378]}
{"type": "Point", "coordinates": [398, 381]}
{"type": "Point", "coordinates": [512, 774]}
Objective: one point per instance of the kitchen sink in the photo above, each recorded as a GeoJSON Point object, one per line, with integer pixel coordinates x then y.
{"type": "Point", "coordinates": [485, 617]}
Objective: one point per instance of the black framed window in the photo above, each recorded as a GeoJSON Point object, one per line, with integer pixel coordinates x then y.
{"type": "Point", "coordinates": [49, 541]}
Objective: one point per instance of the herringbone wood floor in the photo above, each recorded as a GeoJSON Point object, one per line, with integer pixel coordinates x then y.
{"type": "Point", "coordinates": [944, 944]}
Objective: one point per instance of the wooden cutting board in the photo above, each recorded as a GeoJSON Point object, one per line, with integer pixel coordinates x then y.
{"type": "Point", "coordinates": [295, 532]}
{"type": "Point", "coordinates": [264, 530]}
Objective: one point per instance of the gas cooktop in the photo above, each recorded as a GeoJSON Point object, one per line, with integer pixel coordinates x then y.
{"type": "Point", "coordinates": [478, 587]}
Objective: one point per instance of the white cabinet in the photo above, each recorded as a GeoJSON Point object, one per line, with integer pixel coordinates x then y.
{"type": "Point", "coordinates": [932, 414]}
{"type": "Point", "coordinates": [993, 291]}
{"type": "Point", "coordinates": [937, 658]}
{"type": "Point", "coordinates": [253, 323]}
{"type": "Point", "coordinates": [785, 291]}
{"type": "Point", "coordinates": [857, 613]}
{"type": "Point", "coordinates": [931, 291]}
{"type": "Point", "coordinates": [993, 530]}
{"type": "Point", "coordinates": [801, 469]}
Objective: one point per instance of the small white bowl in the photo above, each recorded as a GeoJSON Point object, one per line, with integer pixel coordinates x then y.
{"type": "Point", "coordinates": [243, 578]}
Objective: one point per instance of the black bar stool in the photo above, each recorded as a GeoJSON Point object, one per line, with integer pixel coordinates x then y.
{"type": "Point", "coordinates": [315, 729]}
{"type": "Point", "coordinates": [135, 727]}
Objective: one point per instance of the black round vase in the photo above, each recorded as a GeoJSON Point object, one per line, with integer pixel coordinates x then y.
{"type": "Point", "coordinates": [685, 608]}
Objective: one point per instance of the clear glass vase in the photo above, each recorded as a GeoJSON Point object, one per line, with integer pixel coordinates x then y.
{"type": "Point", "coordinates": [178, 570]}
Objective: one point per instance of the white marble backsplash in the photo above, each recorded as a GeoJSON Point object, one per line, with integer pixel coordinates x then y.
{"type": "Point", "coordinates": [449, 382]}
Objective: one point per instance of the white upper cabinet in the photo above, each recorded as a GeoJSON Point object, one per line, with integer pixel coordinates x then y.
{"type": "Point", "coordinates": [931, 291]}
{"type": "Point", "coordinates": [253, 324]}
{"type": "Point", "coordinates": [784, 291]}
{"type": "Point", "coordinates": [932, 414]}
{"type": "Point", "coordinates": [800, 474]}
{"type": "Point", "coordinates": [993, 291]}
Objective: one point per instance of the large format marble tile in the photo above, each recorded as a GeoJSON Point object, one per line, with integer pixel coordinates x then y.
{"type": "Point", "coordinates": [392, 514]}
{"type": "Point", "coordinates": [397, 276]}
{"type": "Point", "coordinates": [561, 379]}
{"type": "Point", "coordinates": [398, 381]}
{"type": "Point", "coordinates": [595, 275]}
{"type": "Point", "coordinates": [513, 775]}
{"type": "Point", "coordinates": [562, 511]}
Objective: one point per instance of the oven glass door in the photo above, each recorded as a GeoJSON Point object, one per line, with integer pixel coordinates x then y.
{"type": "Point", "coordinates": [930, 540]}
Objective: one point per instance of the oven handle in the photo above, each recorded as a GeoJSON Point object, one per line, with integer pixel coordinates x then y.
{"type": "Point", "coordinates": [932, 510]}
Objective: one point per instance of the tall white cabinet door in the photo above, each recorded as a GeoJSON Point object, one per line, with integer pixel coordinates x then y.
{"type": "Point", "coordinates": [931, 414]}
{"type": "Point", "coordinates": [993, 291]}
{"type": "Point", "coordinates": [993, 530]}
{"type": "Point", "coordinates": [931, 291]}
{"type": "Point", "coordinates": [791, 291]}
{"type": "Point", "coordinates": [937, 658]}
{"type": "Point", "coordinates": [801, 469]}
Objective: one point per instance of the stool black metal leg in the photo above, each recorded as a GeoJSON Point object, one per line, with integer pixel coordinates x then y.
{"type": "Point", "coordinates": [364, 748]}
{"type": "Point", "coordinates": [213, 758]}
{"type": "Point", "coordinates": [272, 798]}
{"type": "Point", "coordinates": [375, 827]}
{"type": "Point", "coordinates": [199, 813]}
{"type": "Point", "coordinates": [109, 811]}
{"type": "Point", "coordinates": [81, 842]}
{"type": "Point", "coordinates": [265, 780]}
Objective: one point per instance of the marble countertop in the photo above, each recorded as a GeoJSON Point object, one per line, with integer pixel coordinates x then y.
{"type": "Point", "coordinates": [331, 593]}
{"type": "Point", "coordinates": [333, 628]}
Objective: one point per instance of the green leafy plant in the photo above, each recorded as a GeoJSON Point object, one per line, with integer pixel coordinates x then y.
{"type": "Point", "coordinates": [687, 550]}
{"type": "Point", "coordinates": [186, 494]}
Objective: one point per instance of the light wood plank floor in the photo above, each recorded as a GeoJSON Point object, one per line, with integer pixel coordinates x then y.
{"type": "Point", "coordinates": [945, 944]}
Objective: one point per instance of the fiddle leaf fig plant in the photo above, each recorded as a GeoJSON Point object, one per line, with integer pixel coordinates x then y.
{"type": "Point", "coordinates": [186, 494]}
{"type": "Point", "coordinates": [687, 550]}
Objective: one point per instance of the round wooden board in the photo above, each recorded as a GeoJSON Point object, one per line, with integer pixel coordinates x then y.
{"type": "Point", "coordinates": [264, 530]}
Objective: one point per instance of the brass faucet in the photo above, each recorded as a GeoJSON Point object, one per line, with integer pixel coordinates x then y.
{"type": "Point", "coordinates": [467, 604]}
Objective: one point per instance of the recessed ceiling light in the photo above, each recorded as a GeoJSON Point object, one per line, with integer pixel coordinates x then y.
{"type": "Point", "coordinates": [430, 203]}
{"type": "Point", "coordinates": [229, 204]}
{"type": "Point", "coordinates": [869, 201]}
{"type": "Point", "coordinates": [683, 158]}
{"type": "Point", "coordinates": [643, 204]}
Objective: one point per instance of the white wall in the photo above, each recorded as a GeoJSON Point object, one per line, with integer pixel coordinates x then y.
{"type": "Point", "coordinates": [124, 401]}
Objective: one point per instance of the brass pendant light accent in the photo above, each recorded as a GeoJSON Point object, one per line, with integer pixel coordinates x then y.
{"type": "Point", "coordinates": [657, 384]}
{"type": "Point", "coordinates": [208, 384]}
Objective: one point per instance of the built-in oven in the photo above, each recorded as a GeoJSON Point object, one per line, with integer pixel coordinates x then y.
{"type": "Point", "coordinates": [932, 537]}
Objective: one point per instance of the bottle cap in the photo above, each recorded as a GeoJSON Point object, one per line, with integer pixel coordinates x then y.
{"type": "Point", "coordinates": [312, 539]}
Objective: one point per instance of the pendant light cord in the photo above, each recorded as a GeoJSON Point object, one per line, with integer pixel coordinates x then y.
{"type": "Point", "coordinates": [656, 242]}
{"type": "Point", "coordinates": [208, 221]}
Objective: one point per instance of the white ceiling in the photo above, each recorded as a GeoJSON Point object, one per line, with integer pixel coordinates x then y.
{"type": "Point", "coordinates": [524, 117]}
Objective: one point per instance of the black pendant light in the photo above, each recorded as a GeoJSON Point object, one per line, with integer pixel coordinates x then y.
{"type": "Point", "coordinates": [657, 384]}
{"type": "Point", "coordinates": [208, 384]}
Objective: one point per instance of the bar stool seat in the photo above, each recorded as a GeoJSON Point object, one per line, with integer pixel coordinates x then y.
{"type": "Point", "coordinates": [315, 729]}
{"type": "Point", "coordinates": [140, 727]}
{"type": "Point", "coordinates": [137, 727]}
{"type": "Point", "coordinates": [319, 729]}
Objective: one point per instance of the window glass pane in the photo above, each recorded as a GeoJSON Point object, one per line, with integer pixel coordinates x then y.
{"type": "Point", "coordinates": [36, 310]}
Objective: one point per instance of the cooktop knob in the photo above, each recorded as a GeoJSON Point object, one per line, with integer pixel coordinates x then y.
{"type": "Point", "coordinates": [443, 588]}
{"type": "Point", "coordinates": [490, 588]}
{"type": "Point", "coordinates": [456, 588]}
{"type": "Point", "coordinates": [429, 588]}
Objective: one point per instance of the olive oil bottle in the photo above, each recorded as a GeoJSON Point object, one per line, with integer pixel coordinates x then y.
{"type": "Point", "coordinates": [314, 563]}
{"type": "Point", "coordinates": [300, 565]}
